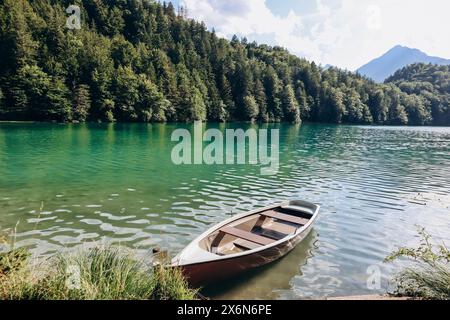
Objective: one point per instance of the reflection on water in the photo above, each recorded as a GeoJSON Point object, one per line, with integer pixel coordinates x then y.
{"type": "Point", "coordinates": [277, 276]}
{"type": "Point", "coordinates": [117, 183]}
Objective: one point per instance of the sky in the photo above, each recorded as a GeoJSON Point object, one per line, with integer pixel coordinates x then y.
{"type": "Point", "coordinates": [342, 33]}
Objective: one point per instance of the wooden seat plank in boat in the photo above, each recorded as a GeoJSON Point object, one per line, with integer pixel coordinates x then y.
{"type": "Point", "coordinates": [285, 217]}
{"type": "Point", "coordinates": [246, 235]}
{"type": "Point", "coordinates": [247, 245]}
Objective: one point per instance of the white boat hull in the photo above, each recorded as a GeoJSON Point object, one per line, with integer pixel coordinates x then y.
{"type": "Point", "coordinates": [210, 268]}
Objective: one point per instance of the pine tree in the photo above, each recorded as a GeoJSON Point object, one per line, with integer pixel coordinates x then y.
{"type": "Point", "coordinates": [398, 115]}
{"type": "Point", "coordinates": [16, 106]}
{"type": "Point", "coordinates": [166, 76]}
{"type": "Point", "coordinates": [261, 100]}
{"type": "Point", "coordinates": [47, 97]}
{"type": "Point", "coordinates": [218, 109]}
{"type": "Point", "coordinates": [123, 52]}
{"type": "Point", "coordinates": [378, 105]}
{"type": "Point", "coordinates": [354, 108]}
{"type": "Point", "coordinates": [19, 47]}
{"type": "Point", "coordinates": [81, 103]}
{"type": "Point", "coordinates": [251, 109]}
{"type": "Point", "coordinates": [97, 71]}
{"type": "Point", "coordinates": [57, 101]}
{"type": "Point", "coordinates": [151, 105]}
{"type": "Point", "coordinates": [335, 105]}
{"type": "Point", "coordinates": [114, 23]}
{"type": "Point", "coordinates": [367, 116]}
{"type": "Point", "coordinates": [2, 103]}
{"type": "Point", "coordinates": [273, 89]}
{"type": "Point", "coordinates": [302, 99]}
{"type": "Point", "coordinates": [242, 86]}
{"type": "Point", "coordinates": [290, 106]}
{"type": "Point", "coordinates": [126, 94]}
{"type": "Point", "coordinates": [225, 91]}
{"type": "Point", "coordinates": [197, 107]}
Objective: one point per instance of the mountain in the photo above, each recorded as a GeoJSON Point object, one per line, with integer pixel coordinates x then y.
{"type": "Point", "coordinates": [398, 57]}
{"type": "Point", "coordinates": [143, 61]}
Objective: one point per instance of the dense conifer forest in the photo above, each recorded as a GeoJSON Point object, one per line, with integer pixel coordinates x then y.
{"type": "Point", "coordinates": [141, 61]}
{"type": "Point", "coordinates": [428, 82]}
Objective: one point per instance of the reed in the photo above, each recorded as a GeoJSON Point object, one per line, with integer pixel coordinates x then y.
{"type": "Point", "coordinates": [103, 273]}
{"type": "Point", "coordinates": [429, 277]}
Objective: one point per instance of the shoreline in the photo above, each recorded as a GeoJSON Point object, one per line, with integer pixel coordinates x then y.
{"type": "Point", "coordinates": [227, 122]}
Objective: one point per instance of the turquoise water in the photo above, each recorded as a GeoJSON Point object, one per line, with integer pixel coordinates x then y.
{"type": "Point", "coordinates": [117, 183]}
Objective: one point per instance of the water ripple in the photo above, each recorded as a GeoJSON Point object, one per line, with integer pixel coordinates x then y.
{"type": "Point", "coordinates": [117, 183]}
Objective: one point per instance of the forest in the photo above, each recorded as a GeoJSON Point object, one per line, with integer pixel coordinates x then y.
{"type": "Point", "coordinates": [429, 82]}
{"type": "Point", "coordinates": [142, 61]}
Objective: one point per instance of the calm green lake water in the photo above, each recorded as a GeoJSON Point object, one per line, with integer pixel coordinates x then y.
{"type": "Point", "coordinates": [117, 183]}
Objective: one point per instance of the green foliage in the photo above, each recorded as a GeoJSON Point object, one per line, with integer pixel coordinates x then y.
{"type": "Point", "coordinates": [12, 261]}
{"type": "Point", "coordinates": [302, 98]}
{"type": "Point", "coordinates": [104, 274]}
{"type": "Point", "coordinates": [152, 104]}
{"type": "Point", "coordinates": [143, 61]}
{"type": "Point", "coordinates": [250, 108]}
{"type": "Point", "coordinates": [81, 103]}
{"type": "Point", "coordinates": [169, 284]}
{"type": "Point", "coordinates": [196, 106]}
{"type": "Point", "coordinates": [273, 89]}
{"type": "Point", "coordinates": [49, 95]}
{"type": "Point", "coordinates": [290, 104]}
{"type": "Point", "coordinates": [18, 46]}
{"type": "Point", "coordinates": [2, 100]}
{"type": "Point", "coordinates": [430, 278]}
{"type": "Point", "coordinates": [126, 94]}
{"type": "Point", "coordinates": [428, 87]}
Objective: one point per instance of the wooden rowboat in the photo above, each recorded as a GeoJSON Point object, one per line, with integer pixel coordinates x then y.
{"type": "Point", "coordinates": [246, 241]}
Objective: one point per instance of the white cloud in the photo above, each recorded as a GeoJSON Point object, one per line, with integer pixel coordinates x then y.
{"type": "Point", "coordinates": [374, 17]}
{"type": "Point", "coordinates": [345, 33]}
{"type": "Point", "coordinates": [249, 17]}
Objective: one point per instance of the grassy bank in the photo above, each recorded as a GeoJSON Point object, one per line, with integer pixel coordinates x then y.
{"type": "Point", "coordinates": [105, 273]}
{"type": "Point", "coordinates": [429, 276]}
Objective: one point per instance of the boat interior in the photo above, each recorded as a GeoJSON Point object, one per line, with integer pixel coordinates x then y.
{"type": "Point", "coordinates": [256, 230]}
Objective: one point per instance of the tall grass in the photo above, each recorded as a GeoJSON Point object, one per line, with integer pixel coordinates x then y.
{"type": "Point", "coordinates": [105, 273]}
{"type": "Point", "coordinates": [429, 277]}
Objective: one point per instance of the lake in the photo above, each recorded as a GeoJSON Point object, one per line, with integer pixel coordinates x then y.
{"type": "Point", "coordinates": [117, 183]}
